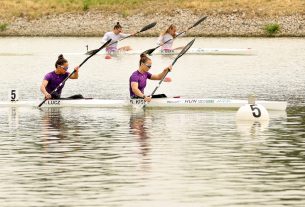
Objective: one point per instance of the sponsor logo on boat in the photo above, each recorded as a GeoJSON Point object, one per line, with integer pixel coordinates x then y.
{"type": "Point", "coordinates": [173, 102]}
{"type": "Point", "coordinates": [222, 101]}
{"type": "Point", "coordinates": [190, 101]}
{"type": "Point", "coordinates": [199, 101]}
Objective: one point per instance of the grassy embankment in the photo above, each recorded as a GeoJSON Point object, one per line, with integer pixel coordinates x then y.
{"type": "Point", "coordinates": [34, 9]}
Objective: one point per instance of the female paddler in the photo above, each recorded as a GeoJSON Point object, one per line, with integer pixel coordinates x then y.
{"type": "Point", "coordinates": [137, 81]}
{"type": "Point", "coordinates": [54, 78]}
{"type": "Point", "coordinates": [115, 35]}
{"type": "Point", "coordinates": [169, 36]}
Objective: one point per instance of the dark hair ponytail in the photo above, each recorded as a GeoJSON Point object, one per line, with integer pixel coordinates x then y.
{"type": "Point", "coordinates": [60, 61]}
{"type": "Point", "coordinates": [143, 58]}
{"type": "Point", "coordinates": [117, 26]}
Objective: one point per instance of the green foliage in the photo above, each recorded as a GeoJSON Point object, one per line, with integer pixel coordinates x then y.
{"type": "Point", "coordinates": [3, 27]}
{"type": "Point", "coordinates": [272, 28]}
{"type": "Point", "coordinates": [125, 13]}
{"type": "Point", "coordinates": [86, 4]}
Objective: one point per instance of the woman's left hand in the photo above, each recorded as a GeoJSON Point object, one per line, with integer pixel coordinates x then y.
{"type": "Point", "coordinates": [170, 68]}
{"type": "Point", "coordinates": [76, 69]}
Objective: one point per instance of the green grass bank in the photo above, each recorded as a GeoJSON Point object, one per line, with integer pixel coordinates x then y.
{"type": "Point", "coordinates": [93, 17]}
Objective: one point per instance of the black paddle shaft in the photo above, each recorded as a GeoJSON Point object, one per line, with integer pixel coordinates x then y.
{"type": "Point", "coordinates": [147, 27]}
{"type": "Point", "coordinates": [183, 51]}
{"type": "Point", "coordinates": [104, 45]}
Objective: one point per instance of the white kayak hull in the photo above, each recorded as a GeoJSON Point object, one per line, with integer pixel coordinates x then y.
{"type": "Point", "coordinates": [155, 103]}
{"type": "Point", "coordinates": [203, 51]}
{"type": "Point", "coordinates": [191, 51]}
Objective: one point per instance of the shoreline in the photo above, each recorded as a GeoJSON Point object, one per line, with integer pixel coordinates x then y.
{"type": "Point", "coordinates": [95, 24]}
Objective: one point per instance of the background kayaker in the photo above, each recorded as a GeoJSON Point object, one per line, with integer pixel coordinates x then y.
{"type": "Point", "coordinates": [115, 35]}
{"type": "Point", "coordinates": [169, 34]}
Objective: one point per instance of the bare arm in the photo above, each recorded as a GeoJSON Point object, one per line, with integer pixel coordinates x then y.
{"type": "Point", "coordinates": [105, 38]}
{"type": "Point", "coordinates": [123, 35]}
{"type": "Point", "coordinates": [135, 89]}
{"type": "Point", "coordinates": [160, 40]}
{"type": "Point", "coordinates": [43, 89]}
{"type": "Point", "coordinates": [137, 92]}
{"type": "Point", "coordinates": [75, 75]}
{"type": "Point", "coordinates": [161, 75]}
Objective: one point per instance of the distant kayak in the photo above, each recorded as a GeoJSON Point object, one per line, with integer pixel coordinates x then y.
{"type": "Point", "coordinates": [202, 51]}
{"type": "Point", "coordinates": [191, 51]}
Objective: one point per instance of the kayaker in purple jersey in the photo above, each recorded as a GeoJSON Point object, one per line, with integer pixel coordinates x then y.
{"type": "Point", "coordinates": [137, 81]}
{"type": "Point", "coordinates": [54, 78]}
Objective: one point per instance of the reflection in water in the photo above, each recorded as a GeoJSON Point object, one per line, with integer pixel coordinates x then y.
{"type": "Point", "coordinates": [255, 127]}
{"type": "Point", "coordinates": [115, 157]}
{"type": "Point", "coordinates": [13, 119]}
{"type": "Point", "coordinates": [138, 128]}
{"type": "Point", "coordinates": [251, 128]}
{"type": "Point", "coordinates": [52, 121]}
{"type": "Point", "coordinates": [54, 130]}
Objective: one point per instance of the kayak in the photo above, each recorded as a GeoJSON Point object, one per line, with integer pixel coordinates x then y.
{"type": "Point", "coordinates": [202, 51]}
{"type": "Point", "coordinates": [204, 103]}
{"type": "Point", "coordinates": [191, 51]}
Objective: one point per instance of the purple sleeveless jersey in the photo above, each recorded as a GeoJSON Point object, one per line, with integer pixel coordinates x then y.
{"type": "Point", "coordinates": [140, 79]}
{"type": "Point", "coordinates": [54, 80]}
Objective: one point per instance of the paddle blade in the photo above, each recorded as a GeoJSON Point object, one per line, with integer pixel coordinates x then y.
{"type": "Point", "coordinates": [93, 52]}
{"type": "Point", "coordinates": [151, 25]}
{"type": "Point", "coordinates": [90, 52]}
{"type": "Point", "coordinates": [148, 52]}
{"type": "Point", "coordinates": [184, 50]}
{"type": "Point", "coordinates": [198, 22]}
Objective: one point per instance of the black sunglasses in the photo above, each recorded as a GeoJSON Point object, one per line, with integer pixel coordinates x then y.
{"type": "Point", "coordinates": [149, 66]}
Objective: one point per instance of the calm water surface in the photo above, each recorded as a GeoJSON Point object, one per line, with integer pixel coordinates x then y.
{"type": "Point", "coordinates": [122, 157]}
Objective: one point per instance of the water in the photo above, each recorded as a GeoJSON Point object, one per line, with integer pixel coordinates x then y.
{"type": "Point", "coordinates": [122, 157]}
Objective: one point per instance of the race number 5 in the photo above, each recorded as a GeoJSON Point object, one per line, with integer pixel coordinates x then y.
{"type": "Point", "coordinates": [13, 95]}
{"type": "Point", "coordinates": [255, 111]}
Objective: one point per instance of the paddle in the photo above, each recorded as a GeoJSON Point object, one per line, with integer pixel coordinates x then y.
{"type": "Point", "coordinates": [182, 52]}
{"type": "Point", "coordinates": [150, 51]}
{"type": "Point", "coordinates": [104, 45]}
{"type": "Point", "coordinates": [147, 27]}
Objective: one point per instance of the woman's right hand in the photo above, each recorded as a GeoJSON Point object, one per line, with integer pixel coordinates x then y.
{"type": "Point", "coordinates": [47, 95]}
{"type": "Point", "coordinates": [147, 98]}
